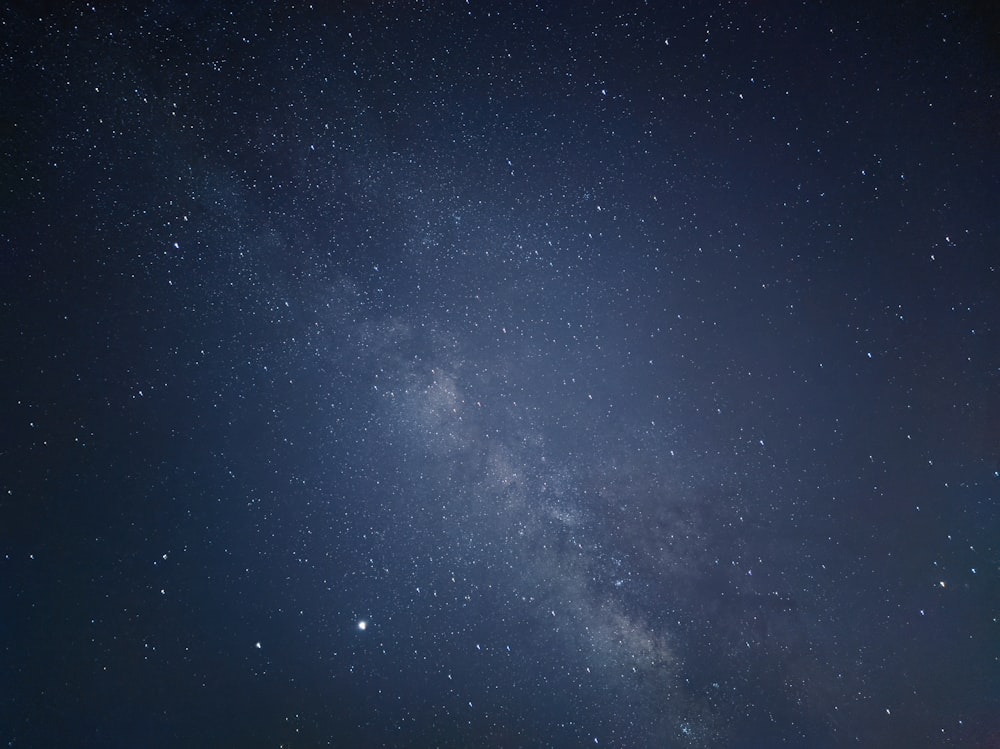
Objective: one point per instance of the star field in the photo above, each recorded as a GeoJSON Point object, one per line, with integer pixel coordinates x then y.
{"type": "Point", "coordinates": [474, 374]}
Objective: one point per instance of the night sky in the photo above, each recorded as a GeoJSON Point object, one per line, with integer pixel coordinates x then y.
{"type": "Point", "coordinates": [473, 374]}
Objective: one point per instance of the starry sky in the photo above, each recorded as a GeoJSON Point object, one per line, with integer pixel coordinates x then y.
{"type": "Point", "coordinates": [490, 374]}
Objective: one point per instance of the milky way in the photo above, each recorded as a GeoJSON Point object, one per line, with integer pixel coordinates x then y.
{"type": "Point", "coordinates": [483, 375]}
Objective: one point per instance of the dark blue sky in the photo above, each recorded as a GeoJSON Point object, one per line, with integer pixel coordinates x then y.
{"type": "Point", "coordinates": [632, 371]}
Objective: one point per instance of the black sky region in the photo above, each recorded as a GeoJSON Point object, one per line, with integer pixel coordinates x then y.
{"type": "Point", "coordinates": [480, 374]}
